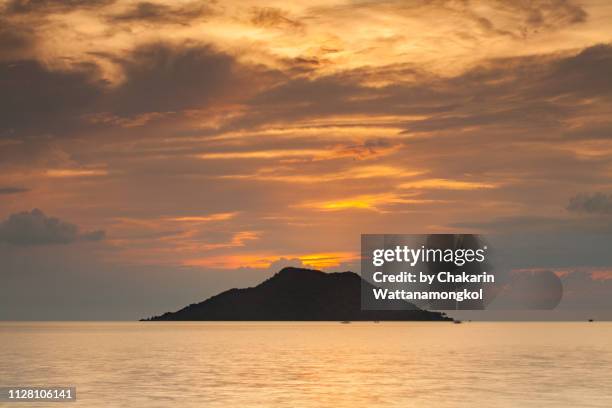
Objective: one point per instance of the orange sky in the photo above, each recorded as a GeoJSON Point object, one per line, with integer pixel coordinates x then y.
{"type": "Point", "coordinates": [228, 134]}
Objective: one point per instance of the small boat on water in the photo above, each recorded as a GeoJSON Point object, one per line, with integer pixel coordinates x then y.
{"type": "Point", "coordinates": [591, 320]}
{"type": "Point", "coordinates": [455, 321]}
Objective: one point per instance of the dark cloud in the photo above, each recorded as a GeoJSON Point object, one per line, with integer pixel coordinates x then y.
{"type": "Point", "coordinates": [51, 6]}
{"type": "Point", "coordinates": [517, 223]}
{"type": "Point", "coordinates": [550, 12]}
{"type": "Point", "coordinates": [531, 224]}
{"type": "Point", "coordinates": [273, 17]}
{"type": "Point", "coordinates": [534, 16]}
{"type": "Point", "coordinates": [594, 203]}
{"type": "Point", "coordinates": [36, 228]}
{"type": "Point", "coordinates": [585, 290]}
{"type": "Point", "coordinates": [159, 79]}
{"type": "Point", "coordinates": [585, 74]}
{"type": "Point", "coordinates": [13, 38]}
{"type": "Point", "coordinates": [148, 12]}
{"type": "Point", "coordinates": [13, 190]}
{"type": "Point", "coordinates": [39, 99]}
{"type": "Point", "coordinates": [589, 131]}
{"type": "Point", "coordinates": [10, 40]}
{"type": "Point", "coordinates": [534, 290]}
{"type": "Point", "coordinates": [536, 92]}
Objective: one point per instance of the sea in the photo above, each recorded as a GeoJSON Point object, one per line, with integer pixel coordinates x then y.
{"type": "Point", "coordinates": [299, 364]}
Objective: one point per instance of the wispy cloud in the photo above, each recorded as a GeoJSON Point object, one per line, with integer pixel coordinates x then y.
{"type": "Point", "coordinates": [203, 218]}
{"type": "Point", "coordinates": [67, 173]}
{"type": "Point", "coordinates": [447, 184]}
{"type": "Point", "coordinates": [293, 175]}
{"type": "Point", "coordinates": [239, 239]}
{"type": "Point", "coordinates": [12, 190]}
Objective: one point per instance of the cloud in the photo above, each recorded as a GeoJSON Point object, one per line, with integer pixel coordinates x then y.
{"type": "Point", "coordinates": [14, 39]}
{"type": "Point", "coordinates": [519, 92]}
{"type": "Point", "coordinates": [13, 190]}
{"type": "Point", "coordinates": [534, 290]}
{"type": "Point", "coordinates": [65, 173]}
{"type": "Point", "coordinates": [272, 17]}
{"type": "Point", "coordinates": [553, 13]}
{"type": "Point", "coordinates": [446, 184]}
{"type": "Point", "coordinates": [160, 80]}
{"type": "Point", "coordinates": [593, 203]}
{"type": "Point", "coordinates": [51, 6]}
{"type": "Point", "coordinates": [461, 25]}
{"type": "Point", "coordinates": [38, 99]}
{"type": "Point", "coordinates": [529, 224]}
{"type": "Point", "coordinates": [155, 13]}
{"type": "Point", "coordinates": [359, 150]}
{"type": "Point", "coordinates": [238, 239]}
{"type": "Point", "coordinates": [587, 290]}
{"type": "Point", "coordinates": [283, 174]}
{"type": "Point", "coordinates": [35, 228]}
{"type": "Point", "coordinates": [540, 15]}
{"type": "Point", "coordinates": [585, 74]}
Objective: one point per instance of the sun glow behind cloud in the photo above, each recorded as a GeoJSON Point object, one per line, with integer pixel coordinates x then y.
{"type": "Point", "coordinates": [375, 202]}
{"type": "Point", "coordinates": [315, 260]}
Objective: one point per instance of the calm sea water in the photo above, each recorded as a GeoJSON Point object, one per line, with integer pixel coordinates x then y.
{"type": "Point", "coordinates": [313, 364]}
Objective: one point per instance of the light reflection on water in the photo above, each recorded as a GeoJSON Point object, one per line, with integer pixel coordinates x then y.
{"type": "Point", "coordinates": [420, 364]}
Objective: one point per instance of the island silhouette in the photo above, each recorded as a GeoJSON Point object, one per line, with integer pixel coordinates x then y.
{"type": "Point", "coordinates": [296, 294]}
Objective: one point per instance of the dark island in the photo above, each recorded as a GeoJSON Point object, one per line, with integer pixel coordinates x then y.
{"type": "Point", "coordinates": [296, 294]}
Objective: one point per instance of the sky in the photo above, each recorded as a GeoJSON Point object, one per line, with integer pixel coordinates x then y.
{"type": "Point", "coordinates": [155, 153]}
